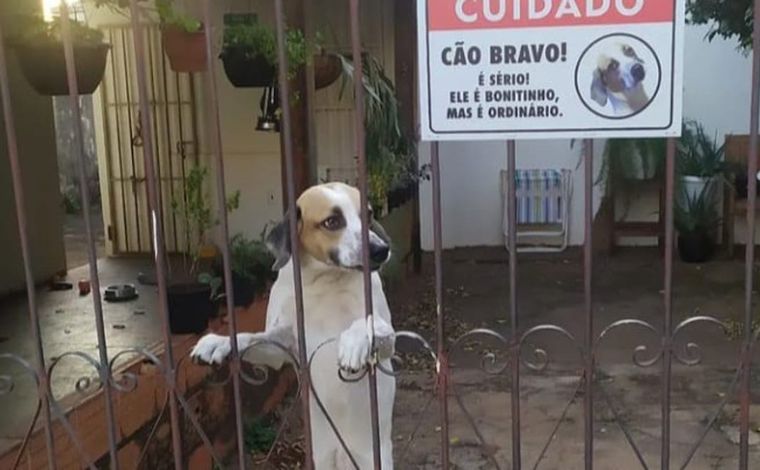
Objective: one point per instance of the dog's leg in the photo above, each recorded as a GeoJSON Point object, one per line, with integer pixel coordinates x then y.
{"type": "Point", "coordinates": [214, 349]}
{"type": "Point", "coordinates": [354, 344]}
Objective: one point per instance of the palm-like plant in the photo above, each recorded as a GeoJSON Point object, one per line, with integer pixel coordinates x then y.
{"type": "Point", "coordinates": [698, 154]}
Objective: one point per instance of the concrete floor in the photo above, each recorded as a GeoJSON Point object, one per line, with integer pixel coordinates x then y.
{"type": "Point", "coordinates": [68, 324]}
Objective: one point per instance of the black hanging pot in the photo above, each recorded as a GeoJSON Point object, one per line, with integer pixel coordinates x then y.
{"type": "Point", "coordinates": [246, 71]}
{"type": "Point", "coordinates": [44, 66]}
{"type": "Point", "coordinates": [190, 307]}
{"type": "Point", "coordinates": [695, 247]}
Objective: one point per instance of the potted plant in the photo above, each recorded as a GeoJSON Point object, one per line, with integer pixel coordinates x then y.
{"type": "Point", "coordinates": [183, 38]}
{"type": "Point", "coordinates": [251, 263]}
{"type": "Point", "coordinates": [701, 162]}
{"type": "Point", "coordinates": [697, 221]}
{"type": "Point", "coordinates": [39, 49]}
{"type": "Point", "coordinates": [393, 174]}
{"type": "Point", "coordinates": [249, 53]}
{"type": "Point", "coordinates": [192, 291]}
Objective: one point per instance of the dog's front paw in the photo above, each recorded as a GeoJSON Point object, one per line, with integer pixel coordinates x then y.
{"type": "Point", "coordinates": [354, 346]}
{"type": "Point", "coordinates": [211, 349]}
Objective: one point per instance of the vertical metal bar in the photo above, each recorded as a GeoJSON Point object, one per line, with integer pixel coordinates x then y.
{"type": "Point", "coordinates": [127, 80]}
{"type": "Point", "coordinates": [71, 75]}
{"type": "Point", "coordinates": [23, 232]}
{"type": "Point", "coordinates": [154, 109]}
{"type": "Point", "coordinates": [443, 360]}
{"type": "Point", "coordinates": [359, 136]}
{"type": "Point", "coordinates": [169, 147]}
{"type": "Point", "coordinates": [310, 33]}
{"type": "Point", "coordinates": [514, 333]}
{"type": "Point", "coordinates": [745, 397]}
{"type": "Point", "coordinates": [117, 112]}
{"type": "Point", "coordinates": [158, 232]}
{"type": "Point", "coordinates": [667, 336]}
{"type": "Point", "coordinates": [108, 158]}
{"type": "Point", "coordinates": [213, 107]}
{"type": "Point", "coordinates": [181, 149]}
{"type": "Point", "coordinates": [287, 140]}
{"type": "Point", "coordinates": [588, 279]}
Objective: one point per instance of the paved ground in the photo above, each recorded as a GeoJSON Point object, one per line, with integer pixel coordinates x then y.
{"type": "Point", "coordinates": [551, 291]}
{"type": "Point", "coordinates": [68, 324]}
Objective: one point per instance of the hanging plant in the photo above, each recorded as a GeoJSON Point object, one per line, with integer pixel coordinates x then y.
{"type": "Point", "coordinates": [183, 38]}
{"type": "Point", "coordinates": [249, 53]}
{"type": "Point", "coordinates": [39, 48]}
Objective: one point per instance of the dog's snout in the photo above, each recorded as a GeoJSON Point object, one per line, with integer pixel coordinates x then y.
{"type": "Point", "coordinates": [378, 252]}
{"type": "Point", "coordinates": [638, 73]}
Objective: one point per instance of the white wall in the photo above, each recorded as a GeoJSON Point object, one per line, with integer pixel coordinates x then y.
{"type": "Point", "coordinates": [716, 93]}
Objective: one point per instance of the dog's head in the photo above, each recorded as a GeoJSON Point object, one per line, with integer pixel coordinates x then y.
{"type": "Point", "coordinates": [618, 70]}
{"type": "Point", "coordinates": [329, 230]}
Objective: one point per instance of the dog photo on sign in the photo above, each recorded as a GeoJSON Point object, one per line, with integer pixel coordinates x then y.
{"type": "Point", "coordinates": [622, 75]}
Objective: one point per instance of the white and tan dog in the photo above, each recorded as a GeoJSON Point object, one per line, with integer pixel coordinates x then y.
{"type": "Point", "coordinates": [618, 80]}
{"type": "Point", "coordinates": [329, 232]}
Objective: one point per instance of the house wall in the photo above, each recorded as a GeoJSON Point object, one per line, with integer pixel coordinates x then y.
{"type": "Point", "coordinates": [35, 131]}
{"type": "Point", "coordinates": [716, 93]}
{"type": "Point", "coordinates": [251, 158]}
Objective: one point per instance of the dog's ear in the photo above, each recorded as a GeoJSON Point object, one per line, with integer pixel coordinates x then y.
{"type": "Point", "coordinates": [598, 89]}
{"type": "Point", "coordinates": [279, 243]}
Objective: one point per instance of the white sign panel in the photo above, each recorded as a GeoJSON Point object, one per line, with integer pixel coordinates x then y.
{"type": "Point", "coordinates": [521, 69]}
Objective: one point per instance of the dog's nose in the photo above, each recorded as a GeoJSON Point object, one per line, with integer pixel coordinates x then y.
{"type": "Point", "coordinates": [638, 73]}
{"type": "Point", "coordinates": [378, 252]}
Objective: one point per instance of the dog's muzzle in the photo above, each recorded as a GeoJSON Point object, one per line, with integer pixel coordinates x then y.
{"type": "Point", "coordinates": [378, 253]}
{"type": "Point", "coordinates": [638, 73]}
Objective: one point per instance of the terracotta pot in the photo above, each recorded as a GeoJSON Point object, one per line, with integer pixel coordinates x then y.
{"type": "Point", "coordinates": [186, 51]}
{"type": "Point", "coordinates": [44, 66]}
{"type": "Point", "coordinates": [327, 69]}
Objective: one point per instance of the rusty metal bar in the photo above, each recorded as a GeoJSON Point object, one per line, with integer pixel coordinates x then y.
{"type": "Point", "coordinates": [130, 142]}
{"type": "Point", "coordinates": [745, 396]}
{"type": "Point", "coordinates": [71, 75]}
{"type": "Point", "coordinates": [588, 280]}
{"type": "Point", "coordinates": [443, 360]}
{"type": "Point", "coordinates": [667, 330]}
{"type": "Point", "coordinates": [221, 196]}
{"type": "Point", "coordinates": [287, 141]}
{"type": "Point", "coordinates": [158, 232]}
{"type": "Point", "coordinates": [169, 147]}
{"type": "Point", "coordinates": [359, 137]}
{"type": "Point", "coordinates": [513, 318]}
{"type": "Point", "coordinates": [43, 388]}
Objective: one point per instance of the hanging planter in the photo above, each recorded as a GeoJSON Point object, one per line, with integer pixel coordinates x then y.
{"type": "Point", "coordinates": [186, 50]}
{"type": "Point", "coordinates": [249, 53]}
{"type": "Point", "coordinates": [183, 37]}
{"type": "Point", "coordinates": [44, 67]}
{"type": "Point", "coordinates": [327, 69]}
{"type": "Point", "coordinates": [39, 48]}
{"type": "Point", "coordinates": [246, 71]}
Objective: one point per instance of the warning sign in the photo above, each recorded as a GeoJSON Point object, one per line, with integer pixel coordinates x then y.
{"type": "Point", "coordinates": [521, 69]}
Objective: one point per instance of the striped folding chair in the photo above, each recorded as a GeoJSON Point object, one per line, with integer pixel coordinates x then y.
{"type": "Point", "coordinates": [543, 209]}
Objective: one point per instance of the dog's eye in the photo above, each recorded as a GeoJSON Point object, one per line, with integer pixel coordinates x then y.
{"type": "Point", "coordinates": [332, 223]}
{"type": "Point", "coordinates": [614, 65]}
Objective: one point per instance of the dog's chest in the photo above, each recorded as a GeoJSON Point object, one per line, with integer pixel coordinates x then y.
{"type": "Point", "coordinates": [330, 312]}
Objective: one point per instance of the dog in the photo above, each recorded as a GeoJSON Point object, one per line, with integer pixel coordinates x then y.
{"type": "Point", "coordinates": [618, 79]}
{"type": "Point", "coordinates": [329, 236]}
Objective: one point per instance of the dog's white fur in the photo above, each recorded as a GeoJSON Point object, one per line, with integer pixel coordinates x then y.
{"type": "Point", "coordinates": [333, 299]}
{"type": "Point", "coordinates": [615, 83]}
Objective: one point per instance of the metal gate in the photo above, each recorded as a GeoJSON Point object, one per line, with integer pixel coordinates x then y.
{"type": "Point", "coordinates": [147, 173]}
{"type": "Point", "coordinates": [172, 105]}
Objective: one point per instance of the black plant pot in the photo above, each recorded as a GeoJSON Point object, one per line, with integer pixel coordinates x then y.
{"type": "Point", "coordinates": [190, 307]}
{"type": "Point", "coordinates": [695, 247]}
{"type": "Point", "coordinates": [243, 290]}
{"type": "Point", "coordinates": [44, 66]}
{"type": "Point", "coordinates": [247, 72]}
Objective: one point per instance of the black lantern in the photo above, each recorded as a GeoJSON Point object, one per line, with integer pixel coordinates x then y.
{"type": "Point", "coordinates": [269, 121]}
